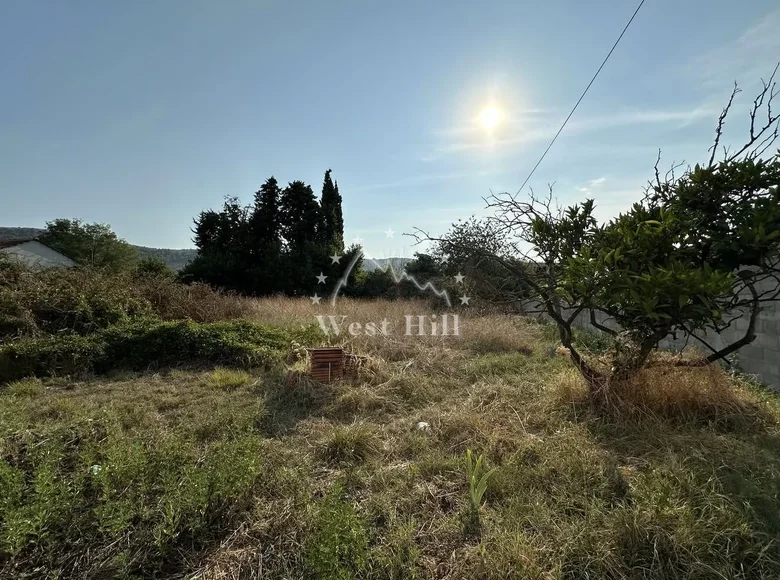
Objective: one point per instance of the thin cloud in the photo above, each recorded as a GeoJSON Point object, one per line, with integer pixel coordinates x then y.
{"type": "Point", "coordinates": [592, 184]}
{"type": "Point", "coordinates": [587, 125]}
{"type": "Point", "coordinates": [750, 56]}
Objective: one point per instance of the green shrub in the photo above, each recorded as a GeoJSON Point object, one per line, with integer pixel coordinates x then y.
{"type": "Point", "coordinates": [84, 300]}
{"type": "Point", "coordinates": [146, 343]}
{"type": "Point", "coordinates": [69, 354]}
{"type": "Point", "coordinates": [67, 299]}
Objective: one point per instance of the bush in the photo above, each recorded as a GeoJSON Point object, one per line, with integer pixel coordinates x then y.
{"type": "Point", "coordinates": [144, 344]}
{"type": "Point", "coordinates": [84, 300]}
{"type": "Point", "coordinates": [55, 300]}
{"type": "Point", "coordinates": [49, 356]}
{"type": "Point", "coordinates": [161, 343]}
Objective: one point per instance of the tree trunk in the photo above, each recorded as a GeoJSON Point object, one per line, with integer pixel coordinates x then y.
{"type": "Point", "coordinates": [629, 357]}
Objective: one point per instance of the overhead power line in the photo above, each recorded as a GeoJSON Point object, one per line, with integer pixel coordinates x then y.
{"type": "Point", "coordinates": [582, 96]}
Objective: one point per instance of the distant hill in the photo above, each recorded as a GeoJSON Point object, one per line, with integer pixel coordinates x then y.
{"type": "Point", "coordinates": [9, 234]}
{"type": "Point", "coordinates": [397, 263]}
{"type": "Point", "coordinates": [175, 259]}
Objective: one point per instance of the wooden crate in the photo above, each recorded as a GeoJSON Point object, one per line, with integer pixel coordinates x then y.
{"type": "Point", "coordinates": [327, 364]}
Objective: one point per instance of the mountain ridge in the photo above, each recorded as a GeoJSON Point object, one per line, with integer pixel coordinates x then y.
{"type": "Point", "coordinates": [178, 258]}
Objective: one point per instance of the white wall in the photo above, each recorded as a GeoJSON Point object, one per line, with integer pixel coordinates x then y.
{"type": "Point", "coordinates": [760, 358]}
{"type": "Point", "coordinates": [35, 254]}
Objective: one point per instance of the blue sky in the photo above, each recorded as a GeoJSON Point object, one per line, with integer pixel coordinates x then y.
{"type": "Point", "coordinates": [140, 114]}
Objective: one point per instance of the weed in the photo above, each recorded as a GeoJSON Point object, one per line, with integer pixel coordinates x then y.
{"type": "Point", "coordinates": [478, 483]}
{"type": "Point", "coordinates": [338, 548]}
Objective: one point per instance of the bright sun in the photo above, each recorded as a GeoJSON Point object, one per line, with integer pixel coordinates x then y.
{"type": "Point", "coordinates": [489, 118]}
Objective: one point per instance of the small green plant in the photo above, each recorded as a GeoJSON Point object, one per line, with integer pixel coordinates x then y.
{"type": "Point", "coordinates": [477, 487]}
{"type": "Point", "coordinates": [338, 546]}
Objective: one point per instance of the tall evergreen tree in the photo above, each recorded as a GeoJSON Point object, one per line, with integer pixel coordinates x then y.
{"type": "Point", "coordinates": [338, 223]}
{"type": "Point", "coordinates": [299, 216]}
{"type": "Point", "coordinates": [266, 240]}
{"type": "Point", "coordinates": [264, 220]}
{"type": "Point", "coordinates": [332, 234]}
{"type": "Point", "coordinates": [280, 243]}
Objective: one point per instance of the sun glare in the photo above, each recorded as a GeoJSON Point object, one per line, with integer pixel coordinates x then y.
{"type": "Point", "coordinates": [489, 118]}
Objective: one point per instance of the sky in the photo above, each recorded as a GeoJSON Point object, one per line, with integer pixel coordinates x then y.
{"type": "Point", "coordinates": [142, 114]}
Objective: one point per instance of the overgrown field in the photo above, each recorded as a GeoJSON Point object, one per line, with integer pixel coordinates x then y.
{"type": "Point", "coordinates": [246, 471]}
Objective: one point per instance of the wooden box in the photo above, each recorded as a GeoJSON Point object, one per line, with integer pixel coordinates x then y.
{"type": "Point", "coordinates": [327, 364]}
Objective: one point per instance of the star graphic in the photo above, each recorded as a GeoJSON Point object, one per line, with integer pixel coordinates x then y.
{"type": "Point", "coordinates": [389, 233]}
{"type": "Point", "coordinates": [335, 259]}
{"type": "Point", "coordinates": [459, 278]}
{"type": "Point", "coordinates": [465, 299]}
{"type": "Point", "coordinates": [315, 299]}
{"type": "Point", "coordinates": [321, 278]}
{"type": "Point", "coordinates": [358, 240]}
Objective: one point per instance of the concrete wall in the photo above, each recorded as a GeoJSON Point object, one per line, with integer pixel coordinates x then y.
{"type": "Point", "coordinates": [760, 358]}
{"type": "Point", "coordinates": [36, 254]}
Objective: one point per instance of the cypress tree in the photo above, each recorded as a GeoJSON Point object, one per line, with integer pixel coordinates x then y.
{"type": "Point", "coordinates": [332, 221]}
{"type": "Point", "coordinates": [264, 221]}
{"type": "Point", "coordinates": [338, 222]}
{"type": "Point", "coordinates": [299, 216]}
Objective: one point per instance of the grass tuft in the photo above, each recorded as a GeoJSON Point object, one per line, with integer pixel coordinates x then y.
{"type": "Point", "coordinates": [24, 388]}
{"type": "Point", "coordinates": [224, 378]}
{"type": "Point", "coordinates": [349, 445]}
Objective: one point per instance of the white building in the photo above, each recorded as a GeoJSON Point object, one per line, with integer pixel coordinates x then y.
{"type": "Point", "coordinates": [34, 253]}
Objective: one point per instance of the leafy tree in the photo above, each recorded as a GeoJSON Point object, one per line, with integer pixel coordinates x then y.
{"type": "Point", "coordinates": [468, 249]}
{"type": "Point", "coordinates": [299, 216]}
{"type": "Point", "coordinates": [222, 238]}
{"type": "Point", "coordinates": [377, 283]}
{"type": "Point", "coordinates": [89, 244]}
{"type": "Point", "coordinates": [154, 266]}
{"type": "Point", "coordinates": [694, 253]}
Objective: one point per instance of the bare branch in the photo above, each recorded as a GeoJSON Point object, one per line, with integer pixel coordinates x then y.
{"type": "Point", "coordinates": [721, 121]}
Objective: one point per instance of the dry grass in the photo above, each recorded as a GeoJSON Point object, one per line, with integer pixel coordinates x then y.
{"type": "Point", "coordinates": [271, 475]}
{"type": "Point", "coordinates": [198, 302]}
